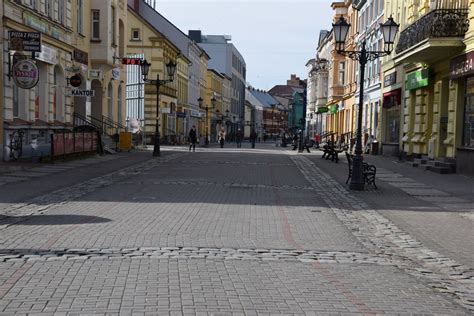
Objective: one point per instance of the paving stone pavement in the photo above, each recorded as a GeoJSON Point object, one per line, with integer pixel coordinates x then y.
{"type": "Point", "coordinates": [218, 233]}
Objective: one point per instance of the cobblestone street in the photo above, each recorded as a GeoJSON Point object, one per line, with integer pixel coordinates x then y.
{"type": "Point", "coordinates": [232, 232]}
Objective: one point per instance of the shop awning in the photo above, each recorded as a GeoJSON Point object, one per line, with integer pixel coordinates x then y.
{"type": "Point", "coordinates": [392, 98]}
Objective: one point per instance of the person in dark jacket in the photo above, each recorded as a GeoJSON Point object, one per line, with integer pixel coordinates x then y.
{"type": "Point", "coordinates": [238, 138]}
{"type": "Point", "coordinates": [192, 138]}
{"type": "Point", "coordinates": [253, 138]}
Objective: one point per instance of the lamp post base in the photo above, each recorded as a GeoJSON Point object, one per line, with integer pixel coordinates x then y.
{"type": "Point", "coordinates": [156, 147]}
{"type": "Point", "coordinates": [357, 179]}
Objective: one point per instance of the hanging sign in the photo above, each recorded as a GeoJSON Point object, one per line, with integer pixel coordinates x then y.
{"type": "Point", "coordinates": [73, 68]}
{"type": "Point", "coordinates": [95, 74]}
{"type": "Point", "coordinates": [322, 109]}
{"type": "Point", "coordinates": [75, 80]}
{"type": "Point", "coordinates": [25, 41]}
{"type": "Point", "coordinates": [131, 61]}
{"type": "Point", "coordinates": [25, 74]}
{"type": "Point", "coordinates": [116, 73]}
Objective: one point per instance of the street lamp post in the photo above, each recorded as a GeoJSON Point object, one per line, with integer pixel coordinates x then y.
{"type": "Point", "coordinates": [170, 68]}
{"type": "Point", "coordinates": [341, 29]}
{"type": "Point", "coordinates": [207, 108]}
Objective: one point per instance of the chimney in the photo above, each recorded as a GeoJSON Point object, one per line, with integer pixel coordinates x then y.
{"type": "Point", "coordinates": [136, 5]}
{"type": "Point", "coordinates": [195, 35]}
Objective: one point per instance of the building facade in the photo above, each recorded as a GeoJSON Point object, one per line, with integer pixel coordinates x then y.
{"type": "Point", "coordinates": [226, 59]}
{"type": "Point", "coordinates": [149, 43]}
{"type": "Point", "coordinates": [436, 113]}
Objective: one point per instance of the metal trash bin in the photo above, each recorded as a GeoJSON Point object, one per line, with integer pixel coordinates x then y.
{"type": "Point", "coordinates": [374, 148]}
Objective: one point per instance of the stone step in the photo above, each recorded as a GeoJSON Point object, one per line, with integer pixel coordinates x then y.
{"type": "Point", "coordinates": [413, 164]}
{"type": "Point", "coordinates": [420, 161]}
{"type": "Point", "coordinates": [440, 170]}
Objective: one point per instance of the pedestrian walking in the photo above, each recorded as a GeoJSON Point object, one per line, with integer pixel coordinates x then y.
{"type": "Point", "coordinates": [222, 137]}
{"type": "Point", "coordinates": [192, 137]}
{"type": "Point", "coordinates": [253, 138]}
{"type": "Point", "coordinates": [238, 138]}
{"type": "Point", "coordinates": [295, 141]}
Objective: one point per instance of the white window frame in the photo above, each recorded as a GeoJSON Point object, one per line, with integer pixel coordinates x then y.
{"type": "Point", "coordinates": [80, 17]}
{"type": "Point", "coordinates": [133, 34]}
{"type": "Point", "coordinates": [95, 22]}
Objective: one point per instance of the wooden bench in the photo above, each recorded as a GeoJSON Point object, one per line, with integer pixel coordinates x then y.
{"type": "Point", "coordinates": [369, 171]}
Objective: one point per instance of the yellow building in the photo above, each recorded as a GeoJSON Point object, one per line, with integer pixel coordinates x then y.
{"type": "Point", "coordinates": [214, 90]}
{"type": "Point", "coordinates": [157, 50]}
{"type": "Point", "coordinates": [32, 113]}
{"type": "Point", "coordinates": [435, 119]}
{"type": "Point", "coordinates": [182, 96]}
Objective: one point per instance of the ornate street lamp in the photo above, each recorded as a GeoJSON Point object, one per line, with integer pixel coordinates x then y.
{"type": "Point", "coordinates": [207, 108]}
{"type": "Point", "coordinates": [341, 29]}
{"type": "Point", "coordinates": [171, 69]}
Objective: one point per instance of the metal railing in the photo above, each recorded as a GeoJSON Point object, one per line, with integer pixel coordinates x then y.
{"type": "Point", "coordinates": [438, 23]}
{"type": "Point", "coordinates": [81, 120]}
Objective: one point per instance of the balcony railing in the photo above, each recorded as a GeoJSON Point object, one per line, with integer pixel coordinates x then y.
{"type": "Point", "coordinates": [435, 24]}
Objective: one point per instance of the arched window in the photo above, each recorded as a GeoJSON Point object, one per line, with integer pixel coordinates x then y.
{"type": "Point", "coordinates": [110, 97]}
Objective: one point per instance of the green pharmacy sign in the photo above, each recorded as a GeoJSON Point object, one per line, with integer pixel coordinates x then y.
{"type": "Point", "coordinates": [322, 109]}
{"type": "Point", "coordinates": [417, 79]}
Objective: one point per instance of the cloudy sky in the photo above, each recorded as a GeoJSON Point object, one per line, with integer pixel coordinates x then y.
{"type": "Point", "coordinates": [276, 37]}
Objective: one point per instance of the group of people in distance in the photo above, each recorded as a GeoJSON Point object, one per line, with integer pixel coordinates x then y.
{"type": "Point", "coordinates": [239, 136]}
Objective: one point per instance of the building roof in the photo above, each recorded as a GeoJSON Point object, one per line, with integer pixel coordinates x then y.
{"type": "Point", "coordinates": [263, 97]}
{"type": "Point", "coordinates": [284, 90]}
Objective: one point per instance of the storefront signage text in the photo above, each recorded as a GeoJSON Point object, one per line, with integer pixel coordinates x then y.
{"type": "Point", "coordinates": [25, 41]}
{"type": "Point", "coordinates": [462, 66]}
{"type": "Point", "coordinates": [81, 57]}
{"type": "Point", "coordinates": [48, 55]}
{"type": "Point", "coordinates": [390, 79]}
{"type": "Point", "coordinates": [25, 74]}
{"type": "Point", "coordinates": [82, 93]}
{"type": "Point", "coordinates": [417, 79]}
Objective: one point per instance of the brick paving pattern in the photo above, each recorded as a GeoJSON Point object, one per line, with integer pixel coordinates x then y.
{"type": "Point", "coordinates": [218, 232]}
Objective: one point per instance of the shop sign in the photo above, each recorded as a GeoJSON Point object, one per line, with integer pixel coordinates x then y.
{"type": "Point", "coordinates": [181, 114]}
{"type": "Point", "coordinates": [25, 41]}
{"type": "Point", "coordinates": [82, 93]}
{"type": "Point", "coordinates": [95, 74]}
{"type": "Point", "coordinates": [48, 55]}
{"type": "Point", "coordinates": [75, 80]}
{"type": "Point", "coordinates": [36, 23]}
{"type": "Point", "coordinates": [166, 110]}
{"type": "Point", "coordinates": [322, 109]}
{"type": "Point", "coordinates": [462, 66]}
{"type": "Point", "coordinates": [25, 74]}
{"type": "Point", "coordinates": [132, 61]}
{"type": "Point", "coordinates": [417, 79]}
{"type": "Point", "coordinates": [80, 56]}
{"type": "Point", "coordinates": [194, 113]}
{"type": "Point", "coordinates": [390, 79]}
{"type": "Point", "coordinates": [73, 68]}
{"type": "Point", "coordinates": [116, 73]}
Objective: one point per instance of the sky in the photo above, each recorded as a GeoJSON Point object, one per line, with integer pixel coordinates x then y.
{"type": "Point", "coordinates": [275, 37]}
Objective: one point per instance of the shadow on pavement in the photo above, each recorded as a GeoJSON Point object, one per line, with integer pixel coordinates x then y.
{"type": "Point", "coordinates": [56, 220]}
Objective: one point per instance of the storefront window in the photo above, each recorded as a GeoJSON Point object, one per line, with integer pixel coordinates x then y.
{"type": "Point", "coordinates": [468, 137]}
